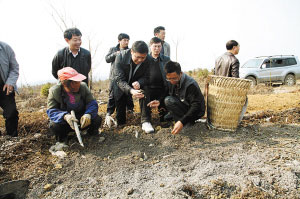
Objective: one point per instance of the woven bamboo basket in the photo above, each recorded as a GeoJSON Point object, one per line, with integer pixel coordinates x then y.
{"type": "Point", "coordinates": [225, 100]}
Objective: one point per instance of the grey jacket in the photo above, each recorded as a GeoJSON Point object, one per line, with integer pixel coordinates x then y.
{"type": "Point", "coordinates": [227, 65]}
{"type": "Point", "coordinates": [167, 49]}
{"type": "Point", "coordinates": [9, 67]}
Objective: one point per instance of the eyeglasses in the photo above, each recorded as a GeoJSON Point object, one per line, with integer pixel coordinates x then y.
{"type": "Point", "coordinates": [174, 79]}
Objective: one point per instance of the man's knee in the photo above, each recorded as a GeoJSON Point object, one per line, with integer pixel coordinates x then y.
{"type": "Point", "coordinates": [169, 101]}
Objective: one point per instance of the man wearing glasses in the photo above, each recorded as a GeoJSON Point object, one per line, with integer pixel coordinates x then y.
{"type": "Point", "coordinates": [185, 100]}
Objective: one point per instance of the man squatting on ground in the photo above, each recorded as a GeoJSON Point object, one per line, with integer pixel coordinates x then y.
{"type": "Point", "coordinates": [123, 41]}
{"type": "Point", "coordinates": [185, 100]}
{"type": "Point", "coordinates": [131, 72]}
{"type": "Point", "coordinates": [157, 86]}
{"type": "Point", "coordinates": [73, 56]}
{"type": "Point", "coordinates": [71, 94]}
{"type": "Point", "coordinates": [228, 65]}
{"type": "Point", "coordinates": [9, 73]}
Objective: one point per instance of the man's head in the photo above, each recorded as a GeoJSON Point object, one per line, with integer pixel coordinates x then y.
{"type": "Point", "coordinates": [233, 47]}
{"type": "Point", "coordinates": [160, 32]}
{"type": "Point", "coordinates": [139, 52]}
{"type": "Point", "coordinates": [73, 38]}
{"type": "Point", "coordinates": [155, 46]}
{"type": "Point", "coordinates": [173, 72]}
{"type": "Point", "coordinates": [123, 40]}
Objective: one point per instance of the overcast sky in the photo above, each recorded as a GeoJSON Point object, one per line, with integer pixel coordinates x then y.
{"type": "Point", "coordinates": [262, 27]}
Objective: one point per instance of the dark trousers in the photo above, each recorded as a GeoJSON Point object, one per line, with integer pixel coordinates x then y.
{"type": "Point", "coordinates": [61, 130]}
{"type": "Point", "coordinates": [177, 108]}
{"type": "Point", "coordinates": [121, 109]}
{"type": "Point", "coordinates": [155, 94]}
{"type": "Point", "coordinates": [111, 104]}
{"type": "Point", "coordinates": [10, 113]}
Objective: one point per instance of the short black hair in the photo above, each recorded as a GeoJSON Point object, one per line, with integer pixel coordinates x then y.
{"type": "Point", "coordinates": [230, 44]}
{"type": "Point", "coordinates": [70, 32]}
{"type": "Point", "coordinates": [155, 40]}
{"type": "Point", "coordinates": [123, 36]}
{"type": "Point", "coordinates": [172, 67]}
{"type": "Point", "coordinates": [140, 47]}
{"type": "Point", "coordinates": [158, 29]}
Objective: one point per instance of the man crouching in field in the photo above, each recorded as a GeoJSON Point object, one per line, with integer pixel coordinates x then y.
{"type": "Point", "coordinates": [185, 101]}
{"type": "Point", "coordinates": [71, 94]}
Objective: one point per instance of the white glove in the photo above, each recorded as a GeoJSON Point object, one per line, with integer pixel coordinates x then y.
{"type": "Point", "coordinates": [70, 119]}
{"type": "Point", "coordinates": [109, 121]}
{"type": "Point", "coordinates": [85, 120]}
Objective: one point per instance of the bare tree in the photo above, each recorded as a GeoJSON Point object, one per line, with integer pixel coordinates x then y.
{"type": "Point", "coordinates": [176, 42]}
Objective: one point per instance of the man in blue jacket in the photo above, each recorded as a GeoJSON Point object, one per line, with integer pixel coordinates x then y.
{"type": "Point", "coordinates": [71, 94]}
{"type": "Point", "coordinates": [9, 73]}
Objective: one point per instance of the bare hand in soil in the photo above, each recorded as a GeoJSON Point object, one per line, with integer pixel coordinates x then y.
{"type": "Point", "coordinates": [153, 104]}
{"type": "Point", "coordinates": [177, 128]}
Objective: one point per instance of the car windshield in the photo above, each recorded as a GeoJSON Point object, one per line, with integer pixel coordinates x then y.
{"type": "Point", "coordinates": [253, 63]}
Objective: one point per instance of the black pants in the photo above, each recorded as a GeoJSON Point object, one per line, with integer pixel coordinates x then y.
{"type": "Point", "coordinates": [121, 109]}
{"type": "Point", "coordinates": [111, 104]}
{"type": "Point", "coordinates": [155, 94]}
{"type": "Point", "coordinates": [177, 108]}
{"type": "Point", "coordinates": [10, 113]}
{"type": "Point", "coordinates": [61, 130]}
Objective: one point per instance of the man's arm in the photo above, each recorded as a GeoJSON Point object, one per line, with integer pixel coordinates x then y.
{"type": "Point", "coordinates": [120, 75]}
{"type": "Point", "coordinates": [89, 60]}
{"type": "Point", "coordinates": [111, 55]}
{"type": "Point", "coordinates": [235, 69]}
{"type": "Point", "coordinates": [55, 65]}
{"type": "Point", "coordinates": [13, 74]}
{"type": "Point", "coordinates": [197, 104]}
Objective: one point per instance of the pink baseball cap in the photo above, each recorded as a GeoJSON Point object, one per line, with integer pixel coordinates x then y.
{"type": "Point", "coordinates": [69, 73]}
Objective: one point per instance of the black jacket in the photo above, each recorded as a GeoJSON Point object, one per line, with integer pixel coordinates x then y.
{"type": "Point", "coordinates": [123, 77]}
{"type": "Point", "coordinates": [62, 59]}
{"type": "Point", "coordinates": [162, 62]}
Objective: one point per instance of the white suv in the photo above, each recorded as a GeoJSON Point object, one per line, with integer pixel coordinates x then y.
{"type": "Point", "coordinates": [283, 69]}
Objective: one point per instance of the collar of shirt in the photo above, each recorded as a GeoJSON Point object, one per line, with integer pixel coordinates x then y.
{"type": "Point", "coordinates": [74, 55]}
{"type": "Point", "coordinates": [155, 59]}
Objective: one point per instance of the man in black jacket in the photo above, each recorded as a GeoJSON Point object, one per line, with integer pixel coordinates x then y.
{"type": "Point", "coordinates": [131, 72]}
{"type": "Point", "coordinates": [157, 87]}
{"type": "Point", "coordinates": [73, 56]}
{"type": "Point", "coordinates": [123, 41]}
{"type": "Point", "coordinates": [185, 100]}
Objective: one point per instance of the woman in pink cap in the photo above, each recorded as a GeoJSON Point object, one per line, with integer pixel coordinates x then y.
{"type": "Point", "coordinates": [71, 94]}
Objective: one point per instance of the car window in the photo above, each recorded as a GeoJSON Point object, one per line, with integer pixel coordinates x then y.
{"type": "Point", "coordinates": [252, 63]}
{"type": "Point", "coordinates": [283, 62]}
{"type": "Point", "coordinates": [291, 61]}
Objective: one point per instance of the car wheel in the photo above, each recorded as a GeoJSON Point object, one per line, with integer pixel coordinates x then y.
{"type": "Point", "coordinates": [254, 83]}
{"type": "Point", "coordinates": [289, 80]}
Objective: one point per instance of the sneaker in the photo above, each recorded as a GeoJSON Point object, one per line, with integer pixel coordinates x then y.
{"type": "Point", "coordinates": [147, 127]}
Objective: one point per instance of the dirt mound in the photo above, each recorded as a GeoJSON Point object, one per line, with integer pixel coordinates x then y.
{"type": "Point", "coordinates": [260, 160]}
